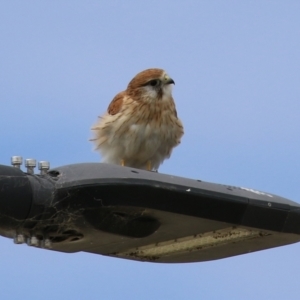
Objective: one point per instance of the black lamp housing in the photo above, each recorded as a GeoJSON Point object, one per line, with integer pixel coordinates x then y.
{"type": "Point", "coordinates": [141, 215]}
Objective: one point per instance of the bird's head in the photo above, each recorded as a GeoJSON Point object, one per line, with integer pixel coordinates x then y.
{"type": "Point", "coordinates": [151, 85]}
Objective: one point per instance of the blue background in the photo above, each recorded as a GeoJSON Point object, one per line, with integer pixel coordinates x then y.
{"type": "Point", "coordinates": [236, 65]}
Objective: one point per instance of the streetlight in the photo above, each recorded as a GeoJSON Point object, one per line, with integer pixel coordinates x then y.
{"type": "Point", "coordinates": [140, 215]}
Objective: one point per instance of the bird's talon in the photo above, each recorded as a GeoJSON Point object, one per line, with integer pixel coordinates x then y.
{"type": "Point", "coordinates": [149, 167]}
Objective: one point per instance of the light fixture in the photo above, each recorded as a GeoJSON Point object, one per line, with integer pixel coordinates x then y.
{"type": "Point", "coordinates": [194, 243]}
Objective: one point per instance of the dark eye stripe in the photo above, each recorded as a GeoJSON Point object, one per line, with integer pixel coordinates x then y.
{"type": "Point", "coordinates": [153, 82]}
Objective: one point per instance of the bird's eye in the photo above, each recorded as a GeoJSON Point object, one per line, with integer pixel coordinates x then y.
{"type": "Point", "coordinates": [154, 82]}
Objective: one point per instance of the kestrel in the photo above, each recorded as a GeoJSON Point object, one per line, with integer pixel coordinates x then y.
{"type": "Point", "coordinates": [141, 127]}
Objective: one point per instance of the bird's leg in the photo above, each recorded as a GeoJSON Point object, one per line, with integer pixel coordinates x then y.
{"type": "Point", "coordinates": [122, 162]}
{"type": "Point", "coordinates": [149, 165]}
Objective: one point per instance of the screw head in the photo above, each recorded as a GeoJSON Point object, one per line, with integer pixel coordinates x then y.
{"type": "Point", "coordinates": [33, 241]}
{"type": "Point", "coordinates": [46, 243]}
{"type": "Point", "coordinates": [16, 160]}
{"type": "Point", "coordinates": [43, 165]}
{"type": "Point", "coordinates": [19, 239]}
{"type": "Point", "coordinates": [30, 162]}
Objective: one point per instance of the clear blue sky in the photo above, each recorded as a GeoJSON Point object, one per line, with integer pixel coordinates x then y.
{"type": "Point", "coordinates": [236, 65]}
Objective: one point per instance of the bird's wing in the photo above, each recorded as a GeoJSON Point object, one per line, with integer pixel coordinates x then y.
{"type": "Point", "coordinates": [116, 104]}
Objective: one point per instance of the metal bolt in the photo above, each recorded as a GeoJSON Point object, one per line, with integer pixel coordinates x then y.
{"type": "Point", "coordinates": [30, 164]}
{"type": "Point", "coordinates": [19, 239]}
{"type": "Point", "coordinates": [33, 241]}
{"type": "Point", "coordinates": [16, 161]}
{"type": "Point", "coordinates": [46, 243]}
{"type": "Point", "coordinates": [43, 166]}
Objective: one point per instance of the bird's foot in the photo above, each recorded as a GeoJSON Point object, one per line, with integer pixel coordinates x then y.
{"type": "Point", "coordinates": [149, 165]}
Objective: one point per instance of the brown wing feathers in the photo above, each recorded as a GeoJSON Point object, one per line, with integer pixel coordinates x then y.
{"type": "Point", "coordinates": [116, 104]}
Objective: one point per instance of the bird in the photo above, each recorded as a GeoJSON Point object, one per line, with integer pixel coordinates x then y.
{"type": "Point", "coordinates": [141, 126]}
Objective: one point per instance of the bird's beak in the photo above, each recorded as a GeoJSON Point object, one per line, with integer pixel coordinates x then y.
{"type": "Point", "coordinates": [169, 81]}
